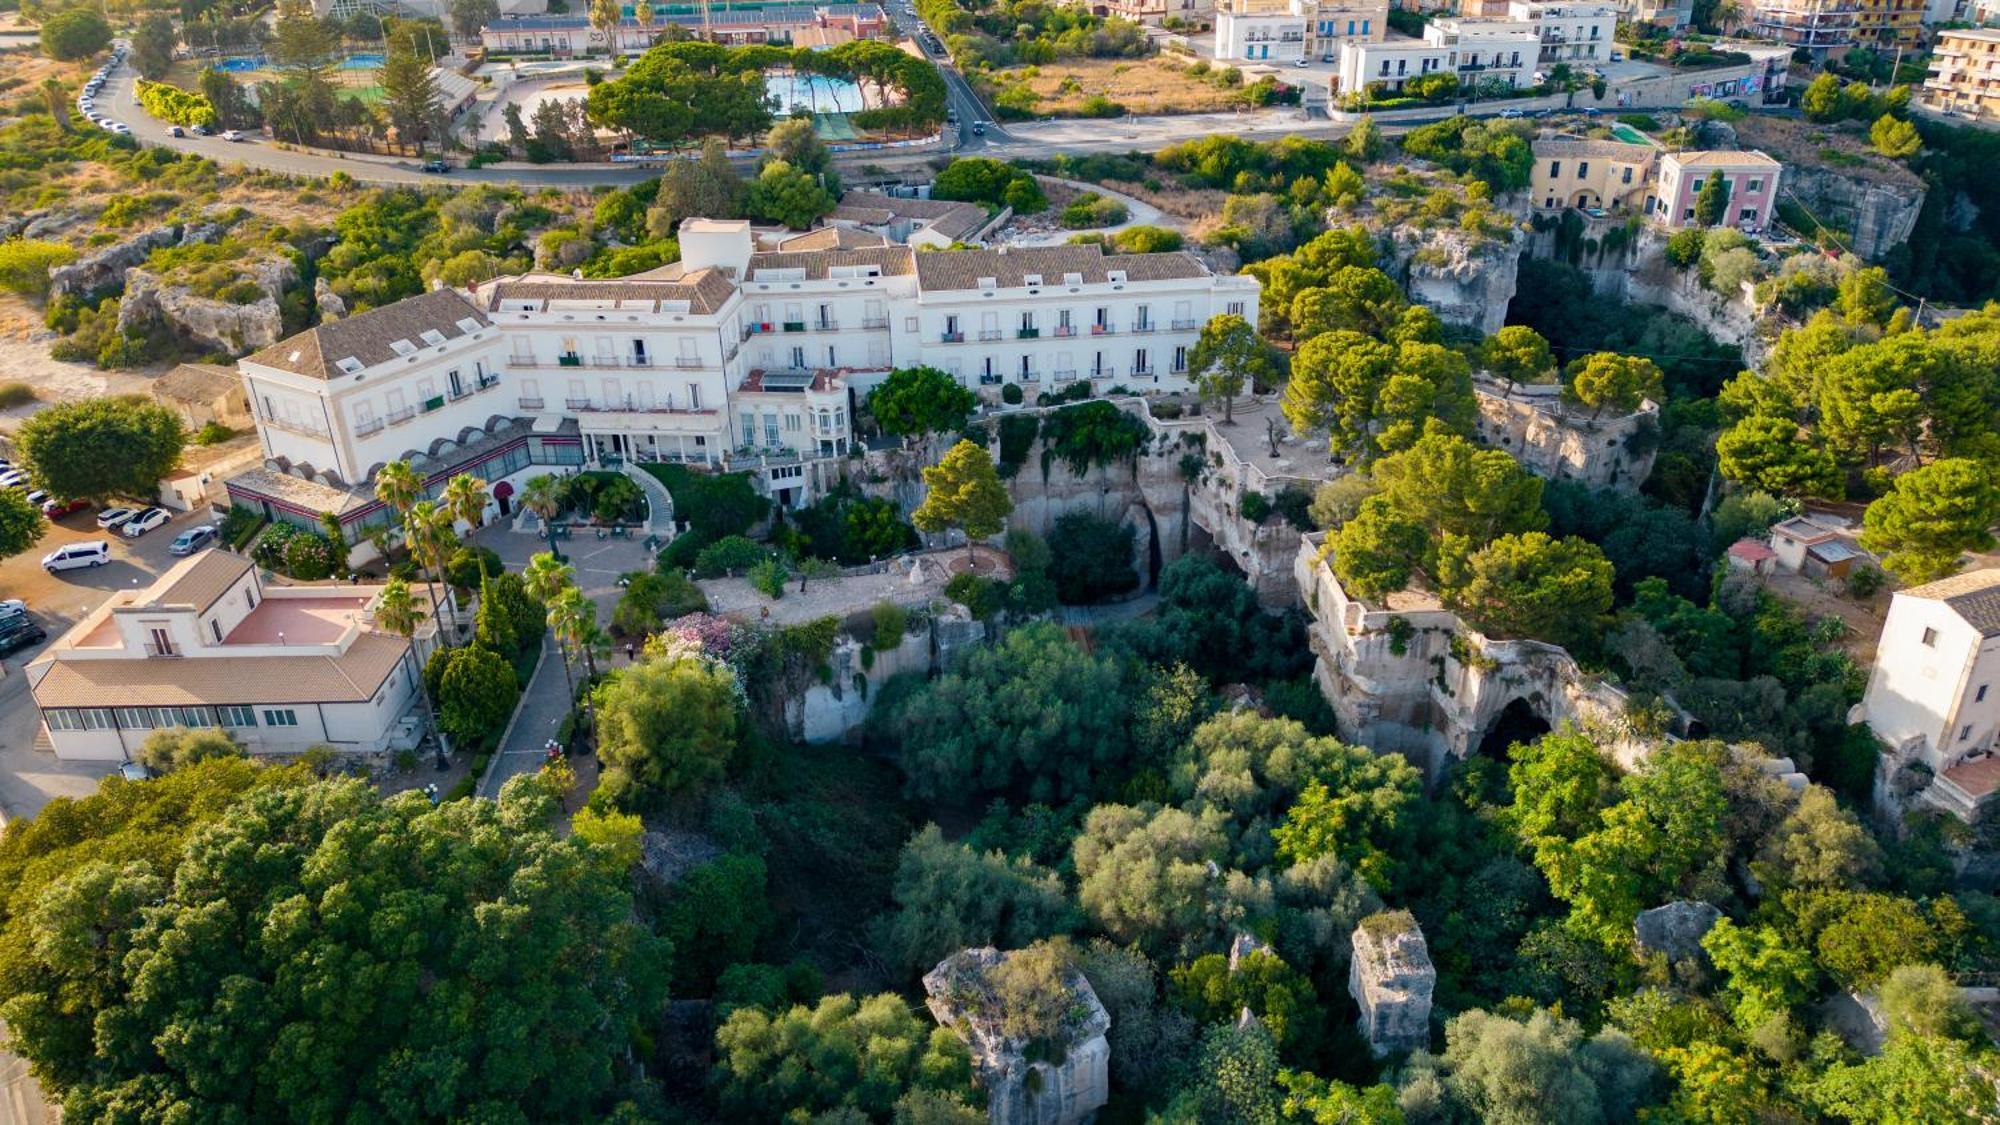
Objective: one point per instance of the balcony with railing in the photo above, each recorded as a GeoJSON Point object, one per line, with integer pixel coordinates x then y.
{"type": "Point", "coordinates": [307, 428]}
{"type": "Point", "coordinates": [486, 383]}
{"type": "Point", "coordinates": [688, 362]}
{"type": "Point", "coordinates": [369, 428]}
{"type": "Point", "coordinates": [825, 324]}
{"type": "Point", "coordinates": [637, 360]}
{"type": "Point", "coordinates": [569, 359]}
{"type": "Point", "coordinates": [1143, 327]}
{"type": "Point", "coordinates": [576, 404]}
{"type": "Point", "coordinates": [874, 322]}
{"type": "Point", "coordinates": [1028, 334]}
{"type": "Point", "coordinates": [435, 402]}
{"type": "Point", "coordinates": [1142, 372]}
{"type": "Point", "coordinates": [951, 337]}
{"type": "Point", "coordinates": [1186, 325]}
{"type": "Point", "coordinates": [154, 649]}
{"type": "Point", "coordinates": [530, 403]}
{"type": "Point", "coordinates": [1103, 372]}
{"type": "Point", "coordinates": [757, 328]}
{"type": "Point", "coordinates": [795, 326]}
{"type": "Point", "coordinates": [1031, 376]}
{"type": "Point", "coordinates": [1062, 373]}
{"type": "Point", "coordinates": [401, 415]}
{"type": "Point", "coordinates": [1065, 331]}
{"type": "Point", "coordinates": [989, 334]}
{"type": "Point", "coordinates": [1103, 330]}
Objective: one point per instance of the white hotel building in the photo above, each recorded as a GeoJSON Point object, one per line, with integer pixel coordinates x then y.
{"type": "Point", "coordinates": [733, 358]}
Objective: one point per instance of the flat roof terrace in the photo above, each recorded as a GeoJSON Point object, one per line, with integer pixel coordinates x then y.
{"type": "Point", "coordinates": [316, 620]}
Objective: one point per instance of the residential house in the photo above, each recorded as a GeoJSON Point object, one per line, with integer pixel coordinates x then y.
{"type": "Point", "coordinates": [280, 668]}
{"type": "Point", "coordinates": [1590, 173]}
{"type": "Point", "coordinates": [1287, 31]}
{"type": "Point", "coordinates": [1578, 35]}
{"type": "Point", "coordinates": [1751, 178]}
{"type": "Point", "coordinates": [1817, 26]}
{"type": "Point", "coordinates": [1933, 696]}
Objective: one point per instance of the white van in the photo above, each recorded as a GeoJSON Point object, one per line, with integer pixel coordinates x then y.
{"type": "Point", "coordinates": [95, 552]}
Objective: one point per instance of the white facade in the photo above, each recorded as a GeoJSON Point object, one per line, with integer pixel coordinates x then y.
{"type": "Point", "coordinates": [1473, 51]}
{"type": "Point", "coordinates": [280, 668]}
{"type": "Point", "coordinates": [731, 358]}
{"type": "Point", "coordinates": [1934, 694]}
{"type": "Point", "coordinates": [1576, 34]}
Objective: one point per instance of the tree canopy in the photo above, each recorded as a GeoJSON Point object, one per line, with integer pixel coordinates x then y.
{"type": "Point", "coordinates": [101, 447]}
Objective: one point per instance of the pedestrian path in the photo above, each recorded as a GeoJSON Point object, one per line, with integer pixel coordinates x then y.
{"type": "Point", "coordinates": [543, 706]}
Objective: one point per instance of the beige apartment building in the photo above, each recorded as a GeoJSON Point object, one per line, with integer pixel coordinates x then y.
{"type": "Point", "coordinates": [1965, 74]}
{"type": "Point", "coordinates": [1585, 172]}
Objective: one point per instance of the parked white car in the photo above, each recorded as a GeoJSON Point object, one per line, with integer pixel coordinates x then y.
{"type": "Point", "coordinates": [112, 517]}
{"type": "Point", "coordinates": [143, 522]}
{"type": "Point", "coordinates": [13, 478]}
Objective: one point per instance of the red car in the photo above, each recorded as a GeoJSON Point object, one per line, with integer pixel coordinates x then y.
{"type": "Point", "coordinates": [57, 509]}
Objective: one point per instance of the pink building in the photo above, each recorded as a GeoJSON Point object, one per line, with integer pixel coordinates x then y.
{"type": "Point", "coordinates": [1752, 179]}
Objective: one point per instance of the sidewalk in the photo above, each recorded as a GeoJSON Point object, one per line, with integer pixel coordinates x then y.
{"type": "Point", "coordinates": [541, 713]}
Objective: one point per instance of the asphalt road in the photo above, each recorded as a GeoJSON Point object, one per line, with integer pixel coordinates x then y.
{"type": "Point", "coordinates": [30, 778]}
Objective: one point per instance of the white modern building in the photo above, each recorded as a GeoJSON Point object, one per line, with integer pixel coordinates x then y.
{"type": "Point", "coordinates": [1934, 695]}
{"type": "Point", "coordinates": [732, 358]}
{"type": "Point", "coordinates": [1506, 52]}
{"type": "Point", "coordinates": [280, 668]}
{"type": "Point", "coordinates": [1257, 31]}
{"type": "Point", "coordinates": [1579, 35]}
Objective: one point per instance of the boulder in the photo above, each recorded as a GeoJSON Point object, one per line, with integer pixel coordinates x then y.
{"type": "Point", "coordinates": [214, 323]}
{"type": "Point", "coordinates": [1019, 1091]}
{"type": "Point", "coordinates": [1676, 929]}
{"type": "Point", "coordinates": [331, 307]}
{"type": "Point", "coordinates": [104, 271]}
{"type": "Point", "coordinates": [1391, 979]}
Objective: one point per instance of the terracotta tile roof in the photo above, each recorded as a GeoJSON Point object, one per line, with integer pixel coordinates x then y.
{"type": "Point", "coordinates": [1975, 595]}
{"type": "Point", "coordinates": [200, 579]}
{"type": "Point", "coordinates": [705, 291]}
{"type": "Point", "coordinates": [200, 383]}
{"type": "Point", "coordinates": [1722, 159]}
{"type": "Point", "coordinates": [951, 219]}
{"type": "Point", "coordinates": [1752, 550]}
{"type": "Point", "coordinates": [352, 677]}
{"type": "Point", "coordinates": [368, 336]}
{"type": "Point", "coordinates": [832, 238]}
{"type": "Point", "coordinates": [1587, 146]}
{"type": "Point", "coordinates": [1010, 268]}
{"type": "Point", "coordinates": [893, 261]}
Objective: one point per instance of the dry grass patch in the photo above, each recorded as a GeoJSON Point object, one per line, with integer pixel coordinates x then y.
{"type": "Point", "coordinates": [1142, 86]}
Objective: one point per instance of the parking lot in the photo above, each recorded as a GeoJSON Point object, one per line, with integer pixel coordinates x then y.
{"type": "Point", "coordinates": [30, 778]}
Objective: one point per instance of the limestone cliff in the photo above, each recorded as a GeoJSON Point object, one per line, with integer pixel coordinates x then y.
{"type": "Point", "coordinates": [104, 271]}
{"type": "Point", "coordinates": [218, 323]}
{"type": "Point", "coordinates": [1466, 279]}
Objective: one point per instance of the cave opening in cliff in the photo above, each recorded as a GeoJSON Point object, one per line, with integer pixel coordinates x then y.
{"type": "Point", "coordinates": [1519, 723]}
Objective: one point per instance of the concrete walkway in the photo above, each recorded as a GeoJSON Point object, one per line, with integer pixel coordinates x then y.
{"type": "Point", "coordinates": [659, 502]}
{"type": "Point", "coordinates": [542, 709]}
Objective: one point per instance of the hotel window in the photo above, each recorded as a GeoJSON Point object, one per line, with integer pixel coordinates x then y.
{"type": "Point", "coordinates": [237, 715]}
{"type": "Point", "coordinates": [1628, 175]}
{"type": "Point", "coordinates": [1555, 168]}
{"type": "Point", "coordinates": [1235, 308]}
{"type": "Point", "coordinates": [281, 718]}
{"type": "Point", "coordinates": [1754, 185]}
{"type": "Point", "coordinates": [1582, 169]}
{"type": "Point", "coordinates": [771, 429]}
{"type": "Point", "coordinates": [1180, 359]}
{"type": "Point", "coordinates": [1965, 732]}
{"type": "Point", "coordinates": [1980, 695]}
{"type": "Point", "coordinates": [791, 422]}
{"type": "Point", "coordinates": [749, 428]}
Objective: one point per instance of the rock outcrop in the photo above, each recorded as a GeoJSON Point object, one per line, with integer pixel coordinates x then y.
{"type": "Point", "coordinates": [1878, 215]}
{"type": "Point", "coordinates": [331, 306]}
{"type": "Point", "coordinates": [104, 271]}
{"type": "Point", "coordinates": [1020, 1091]}
{"type": "Point", "coordinates": [1676, 929]}
{"type": "Point", "coordinates": [1554, 441]}
{"type": "Point", "coordinates": [215, 323]}
{"type": "Point", "coordinates": [1391, 979]}
{"type": "Point", "coordinates": [1466, 279]}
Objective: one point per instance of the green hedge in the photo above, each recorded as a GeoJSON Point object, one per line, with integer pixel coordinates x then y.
{"type": "Point", "coordinates": [175, 105]}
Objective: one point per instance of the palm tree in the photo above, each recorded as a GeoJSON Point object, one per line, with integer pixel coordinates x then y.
{"type": "Point", "coordinates": [642, 14]}
{"type": "Point", "coordinates": [543, 495]}
{"type": "Point", "coordinates": [546, 577]}
{"type": "Point", "coordinates": [396, 610]}
{"type": "Point", "coordinates": [427, 528]}
{"type": "Point", "coordinates": [397, 486]}
{"type": "Point", "coordinates": [465, 497]}
{"type": "Point", "coordinates": [573, 620]}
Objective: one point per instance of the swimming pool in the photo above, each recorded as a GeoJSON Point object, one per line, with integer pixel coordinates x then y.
{"type": "Point", "coordinates": [240, 65]}
{"type": "Point", "coordinates": [366, 61]}
{"type": "Point", "coordinates": [813, 93]}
